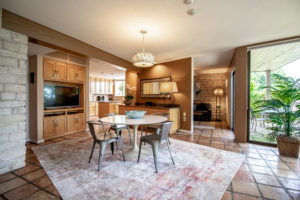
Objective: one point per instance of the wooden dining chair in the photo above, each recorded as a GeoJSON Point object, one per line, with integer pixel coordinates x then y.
{"type": "Point", "coordinates": [155, 139]}
{"type": "Point", "coordinates": [103, 141]}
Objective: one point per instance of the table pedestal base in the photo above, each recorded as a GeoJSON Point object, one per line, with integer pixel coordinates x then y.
{"type": "Point", "coordinates": [133, 153]}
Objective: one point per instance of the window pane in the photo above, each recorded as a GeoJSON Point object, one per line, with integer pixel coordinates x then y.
{"type": "Point", "coordinates": [119, 88]}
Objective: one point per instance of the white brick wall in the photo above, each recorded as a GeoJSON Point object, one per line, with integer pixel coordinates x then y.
{"type": "Point", "coordinates": [13, 78]}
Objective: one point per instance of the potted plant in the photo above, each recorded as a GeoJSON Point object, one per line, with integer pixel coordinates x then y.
{"type": "Point", "coordinates": [128, 97]}
{"type": "Point", "coordinates": [284, 114]}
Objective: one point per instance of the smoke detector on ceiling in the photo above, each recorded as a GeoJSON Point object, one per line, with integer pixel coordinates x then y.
{"type": "Point", "coordinates": [188, 2]}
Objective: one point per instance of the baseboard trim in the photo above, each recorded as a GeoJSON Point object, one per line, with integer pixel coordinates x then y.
{"type": "Point", "coordinates": [36, 141]}
{"type": "Point", "coordinates": [185, 131]}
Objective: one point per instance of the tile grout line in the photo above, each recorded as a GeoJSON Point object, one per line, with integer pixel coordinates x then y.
{"type": "Point", "coordinates": [31, 182]}
{"type": "Point", "coordinates": [283, 187]}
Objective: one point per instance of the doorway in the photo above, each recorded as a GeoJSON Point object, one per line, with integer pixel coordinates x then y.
{"type": "Point", "coordinates": [270, 66]}
{"type": "Point", "coordinates": [232, 100]}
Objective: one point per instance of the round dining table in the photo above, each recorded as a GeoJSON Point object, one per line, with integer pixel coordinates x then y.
{"type": "Point", "coordinates": [125, 120]}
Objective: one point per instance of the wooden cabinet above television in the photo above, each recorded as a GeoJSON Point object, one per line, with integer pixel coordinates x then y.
{"type": "Point", "coordinates": [55, 70]}
{"type": "Point", "coordinates": [75, 73]}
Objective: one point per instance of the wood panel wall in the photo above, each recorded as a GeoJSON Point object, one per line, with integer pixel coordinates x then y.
{"type": "Point", "coordinates": [180, 72]}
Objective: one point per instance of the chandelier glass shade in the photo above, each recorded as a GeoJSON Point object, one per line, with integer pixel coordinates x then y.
{"type": "Point", "coordinates": [143, 59]}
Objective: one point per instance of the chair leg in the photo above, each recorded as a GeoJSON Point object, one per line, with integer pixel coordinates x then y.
{"type": "Point", "coordinates": [112, 148]}
{"type": "Point", "coordinates": [155, 151]}
{"type": "Point", "coordinates": [101, 154]}
{"type": "Point", "coordinates": [146, 133]}
{"type": "Point", "coordinates": [170, 153]}
{"type": "Point", "coordinates": [129, 135]}
{"type": "Point", "coordinates": [140, 149]}
{"type": "Point", "coordinates": [92, 151]}
{"type": "Point", "coordinates": [121, 144]}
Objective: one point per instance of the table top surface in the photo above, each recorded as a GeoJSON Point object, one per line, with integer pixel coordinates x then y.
{"type": "Point", "coordinates": [124, 120]}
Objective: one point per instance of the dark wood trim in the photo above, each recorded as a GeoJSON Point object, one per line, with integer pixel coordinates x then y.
{"type": "Point", "coordinates": [262, 143]}
{"type": "Point", "coordinates": [45, 35]}
{"type": "Point", "coordinates": [51, 46]}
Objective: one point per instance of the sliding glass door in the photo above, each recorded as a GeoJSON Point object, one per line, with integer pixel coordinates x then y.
{"type": "Point", "coordinates": [267, 65]}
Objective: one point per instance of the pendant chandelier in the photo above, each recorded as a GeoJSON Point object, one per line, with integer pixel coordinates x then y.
{"type": "Point", "coordinates": [143, 59]}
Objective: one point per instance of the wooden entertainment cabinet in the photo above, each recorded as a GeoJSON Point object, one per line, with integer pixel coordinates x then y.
{"type": "Point", "coordinates": [45, 123]}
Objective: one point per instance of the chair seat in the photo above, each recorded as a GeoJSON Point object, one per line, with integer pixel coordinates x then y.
{"type": "Point", "coordinates": [151, 138]}
{"type": "Point", "coordinates": [119, 126]}
{"type": "Point", "coordinates": [154, 126]}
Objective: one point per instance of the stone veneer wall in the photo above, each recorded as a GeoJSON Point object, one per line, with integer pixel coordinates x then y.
{"type": "Point", "coordinates": [13, 79]}
{"type": "Point", "coordinates": [207, 84]}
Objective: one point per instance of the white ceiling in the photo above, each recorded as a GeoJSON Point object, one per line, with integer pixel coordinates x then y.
{"type": "Point", "coordinates": [35, 49]}
{"type": "Point", "coordinates": [274, 57]}
{"type": "Point", "coordinates": [98, 68]}
{"type": "Point", "coordinates": [211, 35]}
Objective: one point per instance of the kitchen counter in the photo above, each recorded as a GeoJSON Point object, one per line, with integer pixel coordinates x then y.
{"type": "Point", "coordinates": [109, 101]}
{"type": "Point", "coordinates": [159, 106]}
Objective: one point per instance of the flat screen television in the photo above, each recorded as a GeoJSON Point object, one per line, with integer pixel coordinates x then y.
{"type": "Point", "coordinates": [60, 96]}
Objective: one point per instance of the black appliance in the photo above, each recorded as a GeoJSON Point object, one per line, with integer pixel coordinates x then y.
{"type": "Point", "coordinates": [56, 96]}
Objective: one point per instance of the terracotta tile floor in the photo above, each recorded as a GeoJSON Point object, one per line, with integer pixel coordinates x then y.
{"type": "Point", "coordinates": [263, 175]}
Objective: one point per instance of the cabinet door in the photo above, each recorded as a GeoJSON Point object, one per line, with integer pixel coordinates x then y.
{"type": "Point", "coordinates": [49, 69]}
{"type": "Point", "coordinates": [79, 122]}
{"type": "Point", "coordinates": [60, 125]}
{"type": "Point", "coordinates": [71, 71]}
{"type": "Point", "coordinates": [71, 123]}
{"type": "Point", "coordinates": [75, 73]}
{"type": "Point", "coordinates": [103, 109]}
{"type": "Point", "coordinates": [49, 127]}
{"type": "Point", "coordinates": [112, 108]}
{"type": "Point", "coordinates": [61, 71]}
{"type": "Point", "coordinates": [79, 75]}
{"type": "Point", "coordinates": [92, 109]}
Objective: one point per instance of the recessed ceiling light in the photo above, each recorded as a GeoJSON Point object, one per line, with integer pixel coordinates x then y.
{"type": "Point", "coordinates": [192, 11]}
{"type": "Point", "coordinates": [188, 2]}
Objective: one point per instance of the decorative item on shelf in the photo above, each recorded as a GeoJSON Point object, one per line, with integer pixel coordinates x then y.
{"type": "Point", "coordinates": [169, 88]}
{"type": "Point", "coordinates": [135, 114]}
{"type": "Point", "coordinates": [218, 92]}
{"type": "Point", "coordinates": [143, 59]}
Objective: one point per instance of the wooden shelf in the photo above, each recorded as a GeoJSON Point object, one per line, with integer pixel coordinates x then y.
{"type": "Point", "coordinates": [62, 110]}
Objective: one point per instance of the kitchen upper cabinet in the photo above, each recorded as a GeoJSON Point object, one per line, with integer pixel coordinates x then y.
{"type": "Point", "coordinates": [54, 70]}
{"type": "Point", "coordinates": [75, 73]}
